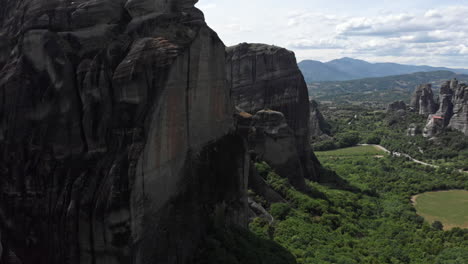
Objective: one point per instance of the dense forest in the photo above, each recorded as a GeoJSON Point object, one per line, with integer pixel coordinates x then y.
{"type": "Point", "coordinates": [351, 125]}
{"type": "Point", "coordinates": [360, 213]}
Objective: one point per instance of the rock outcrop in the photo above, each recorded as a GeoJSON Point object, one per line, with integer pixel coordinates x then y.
{"type": "Point", "coordinates": [273, 141]}
{"type": "Point", "coordinates": [319, 129]}
{"type": "Point", "coordinates": [396, 106]}
{"type": "Point", "coordinates": [413, 130]}
{"type": "Point", "coordinates": [459, 119]}
{"type": "Point", "coordinates": [422, 100]}
{"type": "Point", "coordinates": [116, 132]}
{"type": "Point", "coordinates": [452, 111]}
{"type": "Point", "coordinates": [267, 77]}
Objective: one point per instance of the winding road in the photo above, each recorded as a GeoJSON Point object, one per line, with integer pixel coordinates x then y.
{"type": "Point", "coordinates": [398, 154]}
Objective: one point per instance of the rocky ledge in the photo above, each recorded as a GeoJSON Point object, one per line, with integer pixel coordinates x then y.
{"type": "Point", "coordinates": [267, 77]}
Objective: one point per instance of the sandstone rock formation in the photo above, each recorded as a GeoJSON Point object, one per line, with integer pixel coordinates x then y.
{"type": "Point", "coordinates": [273, 141]}
{"type": "Point", "coordinates": [459, 120]}
{"type": "Point", "coordinates": [422, 100]}
{"type": "Point", "coordinates": [396, 106]}
{"type": "Point", "coordinates": [318, 128]}
{"type": "Point", "coordinates": [267, 77]}
{"type": "Point", "coordinates": [116, 140]}
{"type": "Point", "coordinates": [452, 112]}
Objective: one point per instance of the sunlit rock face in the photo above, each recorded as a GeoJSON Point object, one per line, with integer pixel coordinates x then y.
{"type": "Point", "coordinates": [319, 129]}
{"type": "Point", "coordinates": [459, 120]}
{"type": "Point", "coordinates": [263, 77]}
{"type": "Point", "coordinates": [452, 110]}
{"type": "Point", "coordinates": [422, 100]}
{"type": "Point", "coordinates": [116, 132]}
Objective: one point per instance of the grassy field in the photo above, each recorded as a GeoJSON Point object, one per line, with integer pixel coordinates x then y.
{"type": "Point", "coordinates": [352, 151]}
{"type": "Point", "coordinates": [448, 207]}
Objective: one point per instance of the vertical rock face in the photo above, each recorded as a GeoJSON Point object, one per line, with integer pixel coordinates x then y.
{"type": "Point", "coordinates": [267, 77]}
{"type": "Point", "coordinates": [453, 110]}
{"type": "Point", "coordinates": [273, 141]}
{"type": "Point", "coordinates": [116, 138]}
{"type": "Point", "coordinates": [459, 120]}
{"type": "Point", "coordinates": [318, 127]}
{"type": "Point", "coordinates": [423, 100]}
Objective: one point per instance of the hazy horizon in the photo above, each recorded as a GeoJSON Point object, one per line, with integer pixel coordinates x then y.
{"type": "Point", "coordinates": [418, 32]}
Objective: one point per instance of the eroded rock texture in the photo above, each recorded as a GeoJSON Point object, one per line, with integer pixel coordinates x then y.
{"type": "Point", "coordinates": [319, 129]}
{"type": "Point", "coordinates": [116, 140]}
{"type": "Point", "coordinates": [273, 141]}
{"type": "Point", "coordinates": [396, 106]}
{"type": "Point", "coordinates": [265, 77]}
{"type": "Point", "coordinates": [459, 120]}
{"type": "Point", "coordinates": [452, 112]}
{"type": "Point", "coordinates": [422, 100]}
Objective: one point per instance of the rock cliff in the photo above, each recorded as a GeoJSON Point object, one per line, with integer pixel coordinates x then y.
{"type": "Point", "coordinates": [396, 106]}
{"type": "Point", "coordinates": [267, 77]}
{"type": "Point", "coordinates": [319, 129]}
{"type": "Point", "coordinates": [422, 100]}
{"type": "Point", "coordinates": [452, 110]}
{"type": "Point", "coordinates": [459, 120]}
{"type": "Point", "coordinates": [116, 132]}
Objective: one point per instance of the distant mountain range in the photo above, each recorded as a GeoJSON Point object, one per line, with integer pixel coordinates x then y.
{"type": "Point", "coordinates": [379, 91]}
{"type": "Point", "coordinates": [352, 69]}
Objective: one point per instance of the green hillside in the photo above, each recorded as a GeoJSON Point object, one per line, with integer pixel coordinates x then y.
{"type": "Point", "coordinates": [378, 91]}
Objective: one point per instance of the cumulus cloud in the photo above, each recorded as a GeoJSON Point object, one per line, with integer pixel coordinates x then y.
{"type": "Point", "coordinates": [316, 44]}
{"type": "Point", "coordinates": [380, 32]}
{"type": "Point", "coordinates": [429, 34]}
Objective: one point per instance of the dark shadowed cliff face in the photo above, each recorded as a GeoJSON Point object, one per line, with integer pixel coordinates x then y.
{"type": "Point", "coordinates": [267, 77]}
{"type": "Point", "coordinates": [116, 140]}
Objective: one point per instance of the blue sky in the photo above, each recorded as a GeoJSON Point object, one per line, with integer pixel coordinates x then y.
{"type": "Point", "coordinates": [414, 31]}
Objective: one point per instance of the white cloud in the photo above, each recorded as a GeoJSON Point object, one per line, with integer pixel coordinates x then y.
{"type": "Point", "coordinates": [419, 31]}
{"type": "Point", "coordinates": [428, 35]}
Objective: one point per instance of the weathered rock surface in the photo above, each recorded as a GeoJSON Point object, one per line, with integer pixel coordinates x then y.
{"type": "Point", "coordinates": [273, 141]}
{"type": "Point", "coordinates": [116, 138]}
{"type": "Point", "coordinates": [459, 120]}
{"type": "Point", "coordinates": [452, 111]}
{"type": "Point", "coordinates": [422, 100]}
{"type": "Point", "coordinates": [318, 127]}
{"type": "Point", "coordinates": [396, 106]}
{"type": "Point", "coordinates": [267, 77]}
{"type": "Point", "coordinates": [445, 101]}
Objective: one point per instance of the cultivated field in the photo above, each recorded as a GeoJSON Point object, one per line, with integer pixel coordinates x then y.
{"type": "Point", "coordinates": [448, 207]}
{"type": "Point", "coordinates": [352, 151]}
